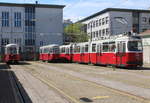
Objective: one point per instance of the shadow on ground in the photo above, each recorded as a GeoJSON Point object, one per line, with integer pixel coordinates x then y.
{"type": "Point", "coordinates": [10, 86]}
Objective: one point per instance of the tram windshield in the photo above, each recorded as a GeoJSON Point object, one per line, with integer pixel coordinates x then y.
{"type": "Point", "coordinates": [135, 46]}
{"type": "Point", "coordinates": [12, 50]}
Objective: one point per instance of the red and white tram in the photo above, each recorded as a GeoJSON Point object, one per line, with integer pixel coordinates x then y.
{"type": "Point", "coordinates": [125, 51]}
{"type": "Point", "coordinates": [66, 53]}
{"type": "Point", "coordinates": [49, 52]}
{"type": "Point", "coordinates": [81, 52]}
{"type": "Point", "coordinates": [11, 53]}
{"type": "Point", "coordinates": [120, 51]}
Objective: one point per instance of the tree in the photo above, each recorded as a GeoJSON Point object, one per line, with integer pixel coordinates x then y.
{"type": "Point", "coordinates": [75, 33]}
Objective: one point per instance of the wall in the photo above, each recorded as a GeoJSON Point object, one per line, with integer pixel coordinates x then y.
{"type": "Point", "coordinates": [49, 25]}
{"type": "Point", "coordinates": [118, 27]}
{"type": "Point", "coordinates": [144, 25]}
{"type": "Point", "coordinates": [12, 32]}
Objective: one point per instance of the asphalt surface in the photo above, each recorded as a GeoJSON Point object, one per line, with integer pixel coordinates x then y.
{"type": "Point", "coordinates": [6, 90]}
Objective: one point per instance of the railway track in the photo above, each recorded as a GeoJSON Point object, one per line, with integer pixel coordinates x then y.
{"type": "Point", "coordinates": [45, 80]}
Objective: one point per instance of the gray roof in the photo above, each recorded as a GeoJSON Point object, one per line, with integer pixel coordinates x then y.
{"type": "Point", "coordinates": [29, 4]}
{"type": "Point", "coordinates": [114, 9]}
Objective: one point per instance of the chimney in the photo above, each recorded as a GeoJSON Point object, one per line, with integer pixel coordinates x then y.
{"type": "Point", "coordinates": [36, 2]}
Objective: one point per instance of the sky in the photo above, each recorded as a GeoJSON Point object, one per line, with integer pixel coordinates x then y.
{"type": "Point", "coordinates": [79, 9]}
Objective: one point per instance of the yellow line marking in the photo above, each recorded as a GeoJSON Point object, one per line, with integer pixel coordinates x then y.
{"type": "Point", "coordinates": [51, 85]}
{"type": "Point", "coordinates": [100, 97]}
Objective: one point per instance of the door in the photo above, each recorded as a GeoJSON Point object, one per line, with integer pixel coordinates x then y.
{"type": "Point", "coordinates": [98, 54]}
{"type": "Point", "coordinates": [82, 54]}
{"type": "Point", "coordinates": [121, 49]}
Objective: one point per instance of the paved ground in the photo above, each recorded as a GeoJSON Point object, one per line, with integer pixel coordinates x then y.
{"type": "Point", "coordinates": [9, 93]}
{"type": "Point", "coordinates": [77, 83]}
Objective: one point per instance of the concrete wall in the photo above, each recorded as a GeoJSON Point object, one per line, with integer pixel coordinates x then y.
{"type": "Point", "coordinates": [144, 25]}
{"type": "Point", "coordinates": [49, 26]}
{"type": "Point", "coordinates": [118, 27]}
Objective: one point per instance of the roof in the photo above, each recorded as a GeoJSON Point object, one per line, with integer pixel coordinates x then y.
{"type": "Point", "coordinates": [29, 4]}
{"type": "Point", "coordinates": [114, 9]}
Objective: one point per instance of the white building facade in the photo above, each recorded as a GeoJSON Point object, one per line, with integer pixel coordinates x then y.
{"type": "Point", "coordinates": [31, 25]}
{"type": "Point", "coordinates": [113, 21]}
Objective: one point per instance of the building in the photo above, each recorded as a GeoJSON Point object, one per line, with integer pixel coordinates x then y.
{"type": "Point", "coordinates": [31, 25]}
{"type": "Point", "coordinates": [113, 21]}
{"type": "Point", "coordinates": [146, 45]}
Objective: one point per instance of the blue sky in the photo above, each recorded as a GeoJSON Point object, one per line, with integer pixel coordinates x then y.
{"type": "Point", "coordinates": [78, 9]}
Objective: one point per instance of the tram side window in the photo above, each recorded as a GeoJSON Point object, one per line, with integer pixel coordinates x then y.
{"type": "Point", "coordinates": [62, 50]}
{"type": "Point", "coordinates": [82, 49]}
{"type": "Point", "coordinates": [105, 47]}
{"type": "Point", "coordinates": [93, 47]}
{"type": "Point", "coordinates": [122, 47]}
{"type": "Point", "coordinates": [67, 50]}
{"type": "Point", "coordinates": [112, 47]}
{"type": "Point", "coordinates": [55, 50]}
{"type": "Point", "coordinates": [86, 48]}
{"type": "Point", "coordinates": [78, 49]}
{"type": "Point", "coordinates": [98, 48]}
{"type": "Point", "coordinates": [75, 49]}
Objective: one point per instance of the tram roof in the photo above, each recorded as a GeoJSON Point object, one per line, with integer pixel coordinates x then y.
{"type": "Point", "coordinates": [48, 46]}
{"type": "Point", "coordinates": [9, 45]}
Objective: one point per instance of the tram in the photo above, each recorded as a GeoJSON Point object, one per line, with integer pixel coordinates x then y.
{"type": "Point", "coordinates": [49, 52]}
{"type": "Point", "coordinates": [66, 53]}
{"type": "Point", "coordinates": [11, 53]}
{"type": "Point", "coordinates": [120, 51]}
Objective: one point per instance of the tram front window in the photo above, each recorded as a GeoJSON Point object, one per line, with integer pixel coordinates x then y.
{"type": "Point", "coordinates": [135, 46]}
{"type": "Point", "coordinates": [12, 50]}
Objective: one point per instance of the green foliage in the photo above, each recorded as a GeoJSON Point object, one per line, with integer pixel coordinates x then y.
{"type": "Point", "coordinates": [75, 33]}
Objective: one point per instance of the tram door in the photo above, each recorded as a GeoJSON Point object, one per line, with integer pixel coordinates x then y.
{"type": "Point", "coordinates": [121, 49]}
{"type": "Point", "coordinates": [82, 54]}
{"type": "Point", "coordinates": [98, 56]}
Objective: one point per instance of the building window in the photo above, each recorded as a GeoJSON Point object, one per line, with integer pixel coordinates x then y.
{"type": "Point", "coordinates": [107, 31]}
{"type": "Point", "coordinates": [5, 41]}
{"type": "Point", "coordinates": [99, 33]}
{"type": "Point", "coordinates": [107, 20]}
{"type": "Point", "coordinates": [96, 23]}
{"type": "Point", "coordinates": [103, 21]}
{"type": "Point", "coordinates": [41, 43]}
{"type": "Point", "coordinates": [96, 33]}
{"type": "Point", "coordinates": [17, 19]}
{"type": "Point", "coordinates": [103, 32]}
{"type": "Point", "coordinates": [93, 34]}
{"type": "Point", "coordinates": [5, 19]}
{"type": "Point", "coordinates": [144, 19]}
{"type": "Point", "coordinates": [99, 22]}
